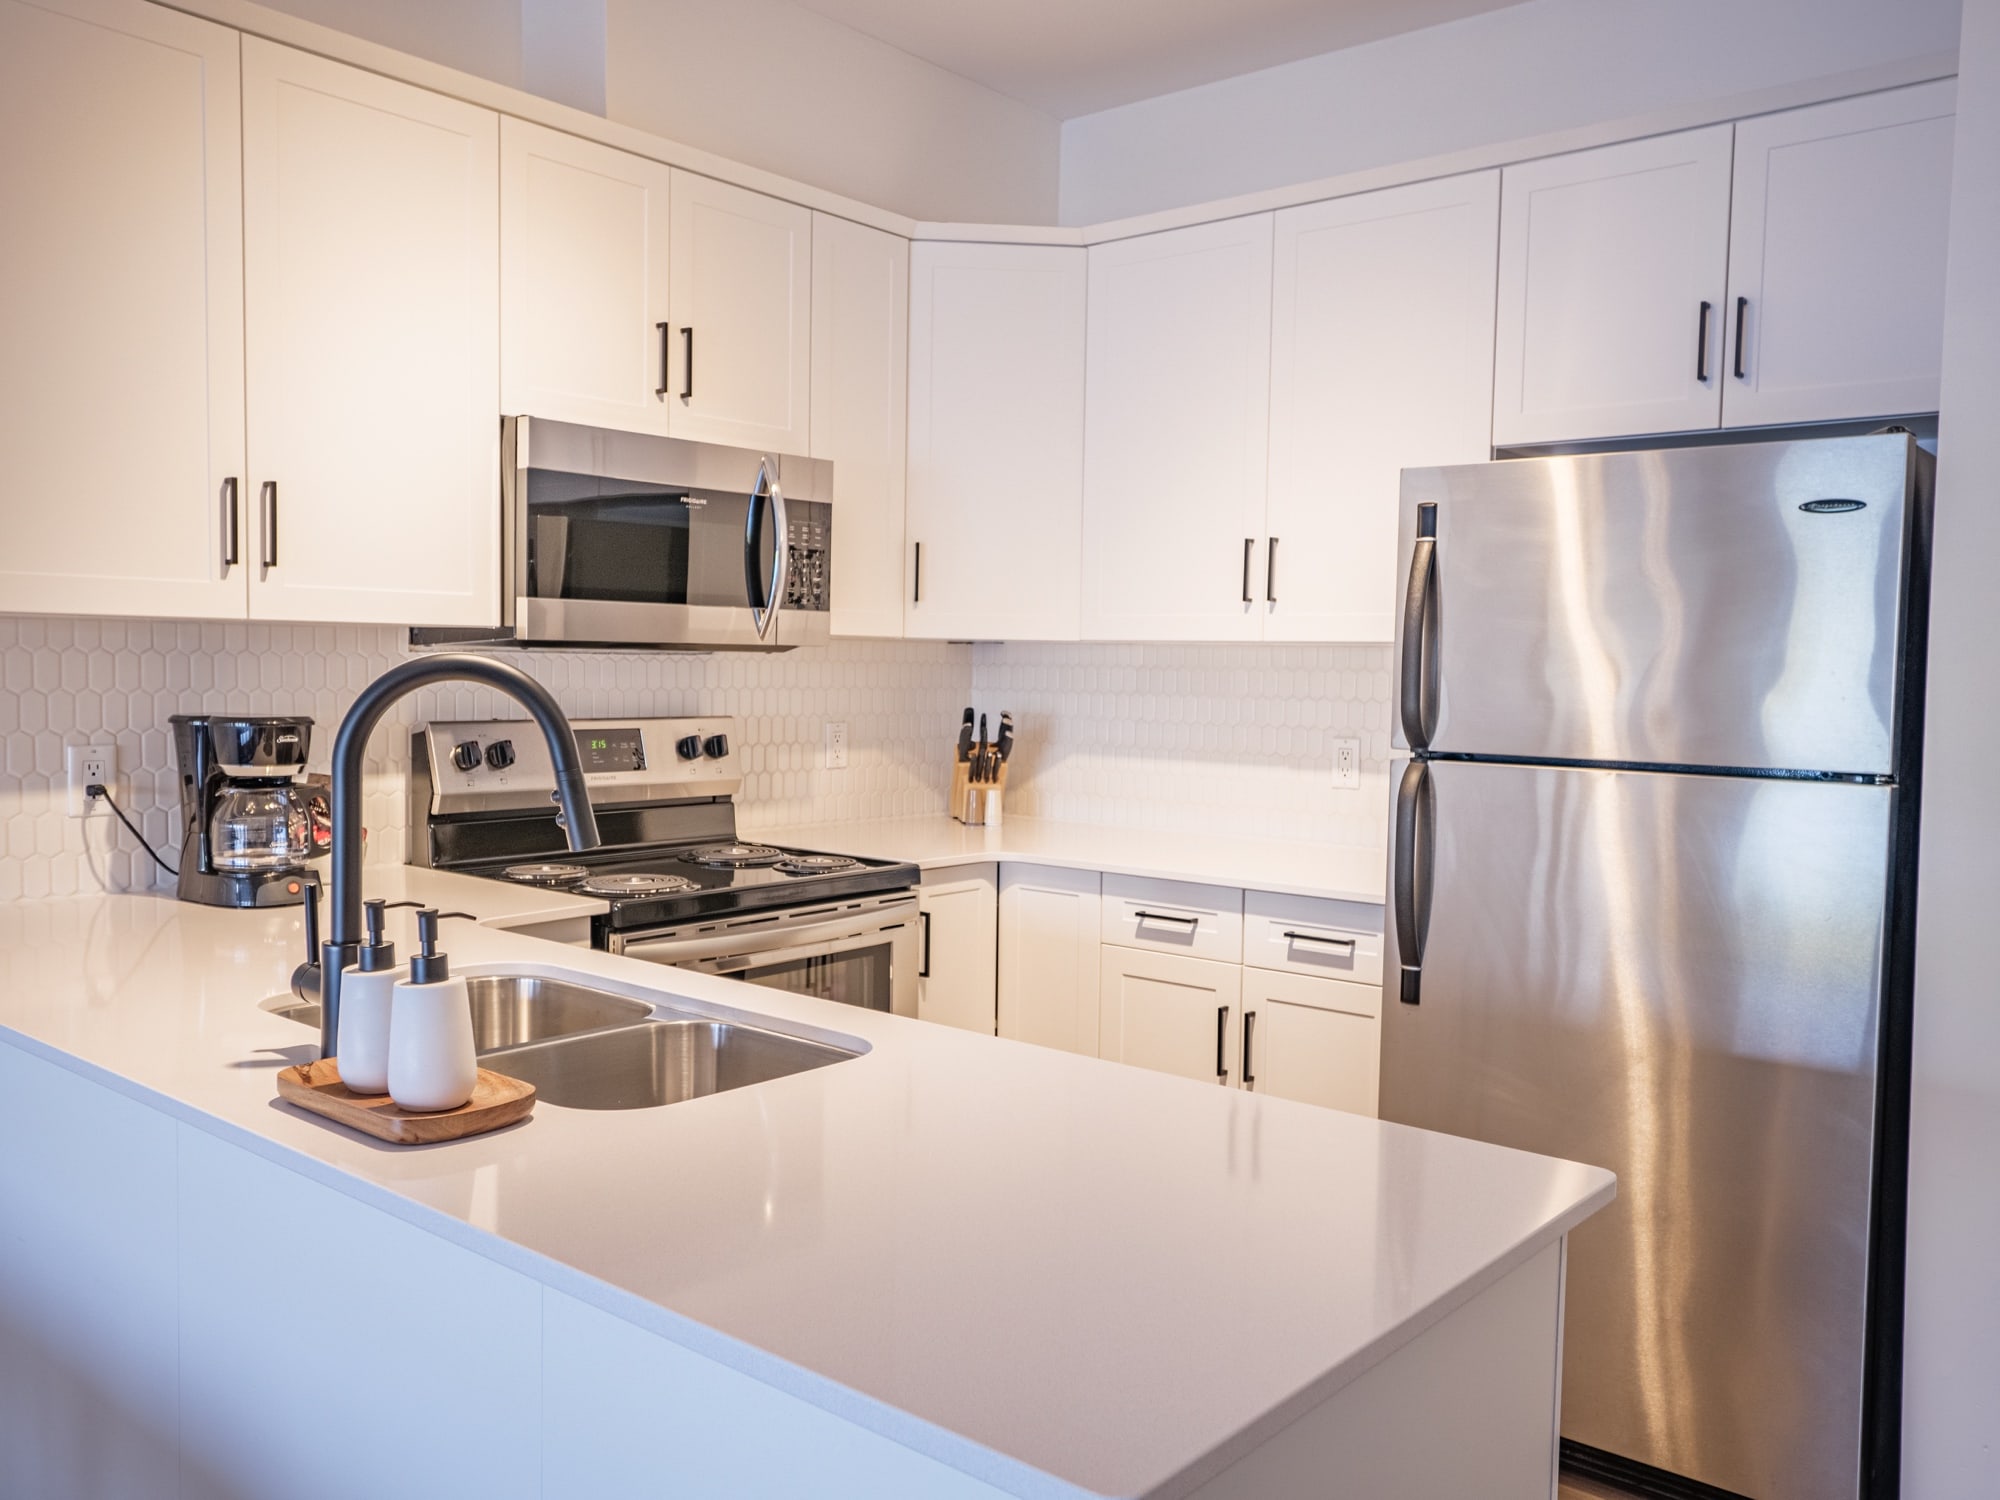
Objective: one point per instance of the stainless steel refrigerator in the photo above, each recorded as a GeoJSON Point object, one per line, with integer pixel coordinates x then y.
{"type": "Point", "coordinates": [1652, 887]}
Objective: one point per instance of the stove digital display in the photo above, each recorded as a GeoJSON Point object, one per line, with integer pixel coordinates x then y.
{"type": "Point", "coordinates": [611, 749]}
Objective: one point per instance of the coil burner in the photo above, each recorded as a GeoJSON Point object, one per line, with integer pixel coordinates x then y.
{"type": "Point", "coordinates": [734, 856]}
{"type": "Point", "coordinates": [545, 874]}
{"type": "Point", "coordinates": [636, 885]}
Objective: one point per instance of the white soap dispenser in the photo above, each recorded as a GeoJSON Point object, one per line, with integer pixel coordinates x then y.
{"type": "Point", "coordinates": [367, 986]}
{"type": "Point", "coordinates": [432, 1064]}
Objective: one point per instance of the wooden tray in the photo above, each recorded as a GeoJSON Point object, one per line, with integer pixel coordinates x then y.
{"type": "Point", "coordinates": [496, 1101]}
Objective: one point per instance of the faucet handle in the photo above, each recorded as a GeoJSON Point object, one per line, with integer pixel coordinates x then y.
{"type": "Point", "coordinates": [312, 920]}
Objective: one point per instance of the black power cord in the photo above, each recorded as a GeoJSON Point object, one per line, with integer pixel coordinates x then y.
{"type": "Point", "coordinates": [96, 790]}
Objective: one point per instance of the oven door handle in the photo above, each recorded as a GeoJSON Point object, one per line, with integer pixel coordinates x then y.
{"type": "Point", "coordinates": [755, 944]}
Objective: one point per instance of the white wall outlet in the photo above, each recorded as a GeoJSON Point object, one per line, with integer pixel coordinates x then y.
{"type": "Point", "coordinates": [836, 746]}
{"type": "Point", "coordinates": [1347, 764]}
{"type": "Point", "coordinates": [87, 765]}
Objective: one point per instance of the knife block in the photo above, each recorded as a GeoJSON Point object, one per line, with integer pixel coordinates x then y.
{"type": "Point", "coordinates": [976, 802]}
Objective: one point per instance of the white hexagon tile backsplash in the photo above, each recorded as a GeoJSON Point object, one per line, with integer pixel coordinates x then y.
{"type": "Point", "coordinates": [1214, 739]}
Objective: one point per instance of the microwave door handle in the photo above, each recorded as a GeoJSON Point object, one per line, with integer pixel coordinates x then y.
{"type": "Point", "coordinates": [767, 596]}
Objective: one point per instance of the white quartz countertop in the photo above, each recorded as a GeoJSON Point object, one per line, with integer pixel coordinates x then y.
{"type": "Point", "coordinates": [1060, 1275]}
{"type": "Point", "coordinates": [1339, 872]}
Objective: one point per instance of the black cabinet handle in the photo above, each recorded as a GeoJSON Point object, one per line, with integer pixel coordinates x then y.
{"type": "Point", "coordinates": [924, 968]}
{"type": "Point", "coordinates": [1221, 1042]}
{"type": "Point", "coordinates": [1249, 1021]}
{"type": "Point", "coordinates": [1742, 309]}
{"type": "Point", "coordinates": [1167, 916]}
{"type": "Point", "coordinates": [1701, 344]}
{"type": "Point", "coordinates": [917, 577]}
{"type": "Point", "coordinates": [666, 356]}
{"type": "Point", "coordinates": [1412, 885]}
{"type": "Point", "coordinates": [267, 497]}
{"type": "Point", "coordinates": [231, 538]}
{"type": "Point", "coordinates": [1249, 546]}
{"type": "Point", "coordinates": [1271, 572]}
{"type": "Point", "coordinates": [1314, 937]}
{"type": "Point", "coordinates": [1416, 689]}
{"type": "Point", "coordinates": [687, 364]}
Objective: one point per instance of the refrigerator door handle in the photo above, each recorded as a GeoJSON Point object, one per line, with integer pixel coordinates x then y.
{"type": "Point", "coordinates": [1417, 691]}
{"type": "Point", "coordinates": [1415, 843]}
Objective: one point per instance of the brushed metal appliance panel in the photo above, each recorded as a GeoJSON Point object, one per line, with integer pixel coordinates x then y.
{"type": "Point", "coordinates": [1676, 977]}
{"type": "Point", "coordinates": [1669, 608]}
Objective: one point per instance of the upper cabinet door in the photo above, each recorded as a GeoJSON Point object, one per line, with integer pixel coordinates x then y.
{"type": "Point", "coordinates": [372, 258]}
{"type": "Point", "coordinates": [1613, 269]}
{"type": "Point", "coordinates": [121, 361]}
{"type": "Point", "coordinates": [1176, 431]}
{"type": "Point", "coordinates": [860, 414]}
{"type": "Point", "coordinates": [1381, 360]}
{"type": "Point", "coordinates": [742, 323]}
{"type": "Point", "coordinates": [996, 442]}
{"type": "Point", "coordinates": [583, 281]}
{"type": "Point", "coordinates": [1836, 259]}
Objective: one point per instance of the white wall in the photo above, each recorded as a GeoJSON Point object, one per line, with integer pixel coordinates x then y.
{"type": "Point", "coordinates": [481, 37]}
{"type": "Point", "coordinates": [1541, 66]}
{"type": "Point", "coordinates": [763, 82]}
{"type": "Point", "coordinates": [769, 83]}
{"type": "Point", "coordinates": [1951, 1397]}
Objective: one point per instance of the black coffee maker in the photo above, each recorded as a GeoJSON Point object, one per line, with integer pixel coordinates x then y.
{"type": "Point", "coordinates": [247, 818]}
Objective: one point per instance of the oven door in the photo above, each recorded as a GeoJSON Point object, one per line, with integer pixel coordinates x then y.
{"type": "Point", "coordinates": [858, 955]}
{"type": "Point", "coordinates": [627, 540]}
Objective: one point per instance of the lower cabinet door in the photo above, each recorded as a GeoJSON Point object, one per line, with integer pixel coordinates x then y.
{"type": "Point", "coordinates": [1169, 1012]}
{"type": "Point", "coordinates": [1048, 956]}
{"type": "Point", "coordinates": [1315, 1040]}
{"type": "Point", "coordinates": [960, 916]}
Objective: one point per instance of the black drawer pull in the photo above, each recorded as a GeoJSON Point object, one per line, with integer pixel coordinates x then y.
{"type": "Point", "coordinates": [1166, 916]}
{"type": "Point", "coordinates": [1331, 942]}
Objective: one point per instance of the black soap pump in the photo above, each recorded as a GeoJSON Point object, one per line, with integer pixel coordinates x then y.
{"type": "Point", "coordinates": [432, 1064]}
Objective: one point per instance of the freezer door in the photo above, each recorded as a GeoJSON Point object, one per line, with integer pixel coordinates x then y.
{"type": "Point", "coordinates": [1675, 977]}
{"type": "Point", "coordinates": [1727, 606]}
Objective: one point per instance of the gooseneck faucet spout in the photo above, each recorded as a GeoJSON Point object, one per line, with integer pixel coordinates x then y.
{"type": "Point", "coordinates": [344, 879]}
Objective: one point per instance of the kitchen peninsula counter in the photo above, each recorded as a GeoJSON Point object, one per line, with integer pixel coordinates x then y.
{"type": "Point", "coordinates": [950, 1266]}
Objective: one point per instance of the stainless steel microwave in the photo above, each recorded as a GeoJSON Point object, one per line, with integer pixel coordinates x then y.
{"type": "Point", "coordinates": [622, 539]}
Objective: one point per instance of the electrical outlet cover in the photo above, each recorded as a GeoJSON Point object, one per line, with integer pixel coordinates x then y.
{"type": "Point", "coordinates": [88, 764]}
{"type": "Point", "coordinates": [836, 746]}
{"type": "Point", "coordinates": [1347, 764]}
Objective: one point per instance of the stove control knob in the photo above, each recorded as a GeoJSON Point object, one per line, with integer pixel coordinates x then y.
{"type": "Point", "coordinates": [717, 746]}
{"type": "Point", "coordinates": [500, 754]}
{"type": "Point", "coordinates": [465, 755]}
{"type": "Point", "coordinates": [688, 748]}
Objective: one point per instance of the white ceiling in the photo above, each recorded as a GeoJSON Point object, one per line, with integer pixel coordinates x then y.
{"type": "Point", "coordinates": [1073, 57]}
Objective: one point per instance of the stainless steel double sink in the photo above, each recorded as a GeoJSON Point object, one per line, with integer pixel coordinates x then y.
{"type": "Point", "coordinates": [585, 1048]}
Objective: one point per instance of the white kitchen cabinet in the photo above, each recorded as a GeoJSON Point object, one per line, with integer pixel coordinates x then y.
{"type": "Point", "coordinates": [1837, 258]}
{"type": "Point", "coordinates": [860, 414]}
{"type": "Point", "coordinates": [121, 361]}
{"type": "Point", "coordinates": [1049, 956]}
{"type": "Point", "coordinates": [959, 911]}
{"type": "Point", "coordinates": [371, 258]}
{"type": "Point", "coordinates": [1176, 427]}
{"type": "Point", "coordinates": [740, 280]}
{"type": "Point", "coordinates": [1169, 1012]}
{"type": "Point", "coordinates": [583, 281]}
{"type": "Point", "coordinates": [1381, 360]}
{"type": "Point", "coordinates": [1613, 274]}
{"type": "Point", "coordinates": [994, 518]}
{"type": "Point", "coordinates": [1318, 1041]}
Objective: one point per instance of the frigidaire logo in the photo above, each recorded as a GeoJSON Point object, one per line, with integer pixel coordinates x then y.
{"type": "Point", "coordinates": [1833, 507]}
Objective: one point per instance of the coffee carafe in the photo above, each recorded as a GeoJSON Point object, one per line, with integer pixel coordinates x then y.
{"type": "Point", "coordinates": [248, 822]}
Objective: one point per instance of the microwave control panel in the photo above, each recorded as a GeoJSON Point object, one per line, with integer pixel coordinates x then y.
{"type": "Point", "coordinates": [809, 570]}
